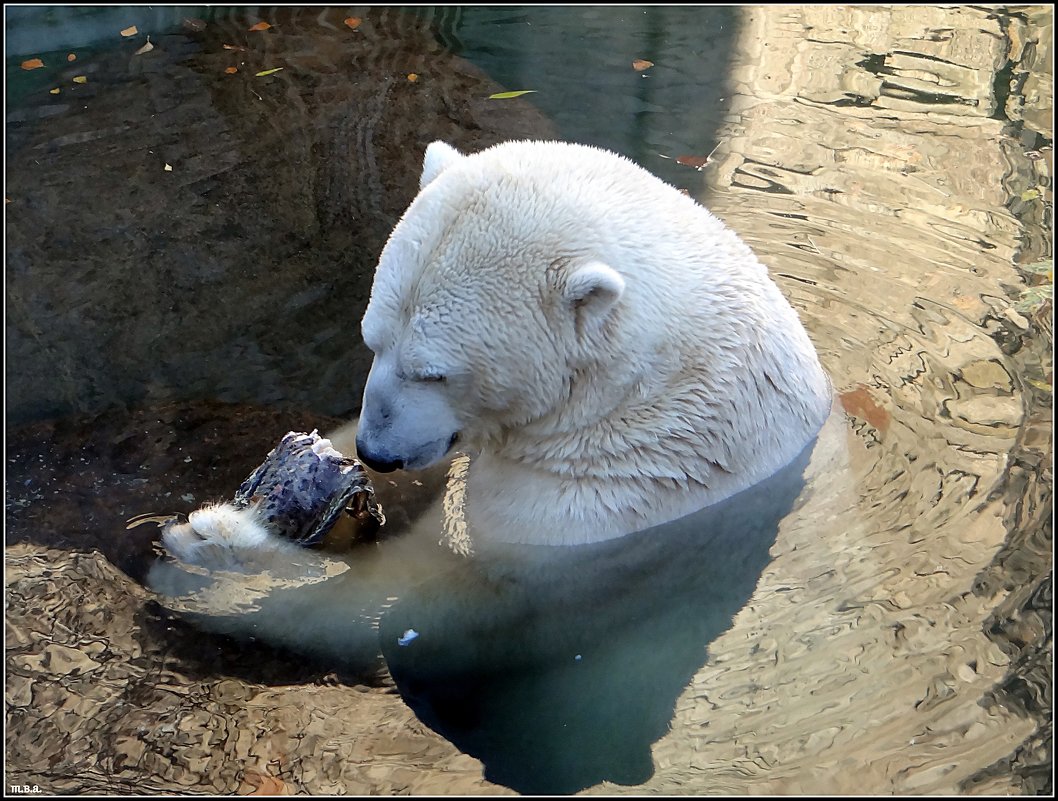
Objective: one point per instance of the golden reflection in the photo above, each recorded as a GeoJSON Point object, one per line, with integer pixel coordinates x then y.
{"type": "Point", "coordinates": [867, 161]}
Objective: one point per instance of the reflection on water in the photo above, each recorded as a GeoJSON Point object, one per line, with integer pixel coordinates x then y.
{"type": "Point", "coordinates": [891, 166]}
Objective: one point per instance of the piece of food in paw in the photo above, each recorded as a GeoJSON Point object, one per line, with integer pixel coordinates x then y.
{"type": "Point", "coordinates": [305, 491]}
{"type": "Point", "coordinates": [309, 493]}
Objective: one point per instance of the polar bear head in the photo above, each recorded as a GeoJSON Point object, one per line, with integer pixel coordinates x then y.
{"type": "Point", "coordinates": [489, 300]}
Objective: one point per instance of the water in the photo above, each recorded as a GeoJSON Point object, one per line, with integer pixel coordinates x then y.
{"type": "Point", "coordinates": [892, 633]}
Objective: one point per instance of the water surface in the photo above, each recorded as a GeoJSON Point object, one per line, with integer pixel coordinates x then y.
{"type": "Point", "coordinates": [891, 633]}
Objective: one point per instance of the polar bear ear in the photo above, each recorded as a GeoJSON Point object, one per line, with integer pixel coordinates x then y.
{"type": "Point", "coordinates": [439, 157]}
{"type": "Point", "coordinates": [592, 290]}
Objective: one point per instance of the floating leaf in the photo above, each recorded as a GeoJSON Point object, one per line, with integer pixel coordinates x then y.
{"type": "Point", "coordinates": [693, 161]}
{"type": "Point", "coordinates": [71, 57]}
{"type": "Point", "coordinates": [262, 73]}
{"type": "Point", "coordinates": [1030, 194]}
{"type": "Point", "coordinates": [32, 64]}
{"type": "Point", "coordinates": [80, 79]}
{"type": "Point", "coordinates": [54, 91]}
{"type": "Point", "coordinates": [195, 24]}
{"type": "Point", "coordinates": [130, 31]}
{"type": "Point", "coordinates": [507, 95]}
{"type": "Point", "coordinates": [147, 48]}
{"type": "Point", "coordinates": [859, 403]}
{"type": "Point", "coordinates": [263, 784]}
{"type": "Point", "coordinates": [168, 168]}
{"type": "Point", "coordinates": [233, 47]}
{"type": "Point", "coordinates": [412, 77]}
{"type": "Point", "coordinates": [260, 26]}
{"type": "Point", "coordinates": [232, 70]}
{"type": "Point", "coordinates": [1042, 385]}
{"type": "Point", "coordinates": [353, 22]}
{"type": "Point", "coordinates": [641, 64]}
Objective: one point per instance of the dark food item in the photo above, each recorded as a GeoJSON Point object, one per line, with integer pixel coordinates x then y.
{"type": "Point", "coordinates": [305, 487]}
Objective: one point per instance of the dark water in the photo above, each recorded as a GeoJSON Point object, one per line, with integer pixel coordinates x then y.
{"type": "Point", "coordinates": [891, 633]}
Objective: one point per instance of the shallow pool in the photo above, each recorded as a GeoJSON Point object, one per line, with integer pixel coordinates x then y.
{"type": "Point", "coordinates": [191, 231]}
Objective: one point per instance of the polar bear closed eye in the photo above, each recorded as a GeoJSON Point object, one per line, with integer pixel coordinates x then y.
{"type": "Point", "coordinates": [611, 354]}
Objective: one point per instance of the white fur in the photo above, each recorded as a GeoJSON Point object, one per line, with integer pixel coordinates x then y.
{"type": "Point", "coordinates": [614, 356]}
{"type": "Point", "coordinates": [222, 536]}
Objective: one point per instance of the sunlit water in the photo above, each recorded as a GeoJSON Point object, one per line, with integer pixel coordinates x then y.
{"type": "Point", "coordinates": [882, 625]}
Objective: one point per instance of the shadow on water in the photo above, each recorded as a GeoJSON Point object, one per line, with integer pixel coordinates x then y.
{"type": "Point", "coordinates": [562, 677]}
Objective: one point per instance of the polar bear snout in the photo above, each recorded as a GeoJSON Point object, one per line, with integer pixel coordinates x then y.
{"type": "Point", "coordinates": [378, 460]}
{"type": "Point", "coordinates": [404, 425]}
{"type": "Point", "coordinates": [382, 460]}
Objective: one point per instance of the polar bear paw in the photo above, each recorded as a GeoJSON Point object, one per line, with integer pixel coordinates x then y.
{"type": "Point", "coordinates": [223, 536]}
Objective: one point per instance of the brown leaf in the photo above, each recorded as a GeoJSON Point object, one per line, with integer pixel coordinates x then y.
{"type": "Point", "coordinates": [130, 31]}
{"type": "Point", "coordinates": [859, 403]}
{"type": "Point", "coordinates": [263, 784]}
{"type": "Point", "coordinates": [353, 22]}
{"type": "Point", "coordinates": [260, 26]}
{"type": "Point", "coordinates": [147, 48]}
{"type": "Point", "coordinates": [71, 57]}
{"type": "Point", "coordinates": [231, 70]}
{"type": "Point", "coordinates": [641, 64]}
{"type": "Point", "coordinates": [233, 47]}
{"type": "Point", "coordinates": [693, 161]}
{"type": "Point", "coordinates": [195, 24]}
{"type": "Point", "coordinates": [32, 64]}
{"type": "Point", "coordinates": [412, 77]}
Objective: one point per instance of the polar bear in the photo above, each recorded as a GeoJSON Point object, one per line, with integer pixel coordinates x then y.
{"type": "Point", "coordinates": [608, 355]}
{"type": "Point", "coordinates": [612, 354]}
{"type": "Point", "coordinates": [625, 405]}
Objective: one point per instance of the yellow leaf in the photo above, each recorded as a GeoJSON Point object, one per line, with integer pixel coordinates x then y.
{"type": "Point", "coordinates": [262, 73]}
{"type": "Point", "coordinates": [260, 26]}
{"type": "Point", "coordinates": [54, 91]}
{"type": "Point", "coordinates": [1042, 385]}
{"type": "Point", "coordinates": [641, 64]}
{"type": "Point", "coordinates": [412, 77]}
{"type": "Point", "coordinates": [130, 31]}
{"type": "Point", "coordinates": [507, 95]}
{"type": "Point", "coordinates": [80, 79]}
{"type": "Point", "coordinates": [168, 168]}
{"type": "Point", "coordinates": [353, 22]}
{"type": "Point", "coordinates": [32, 64]}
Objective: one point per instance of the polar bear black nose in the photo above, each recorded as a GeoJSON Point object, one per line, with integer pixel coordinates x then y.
{"type": "Point", "coordinates": [380, 462]}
